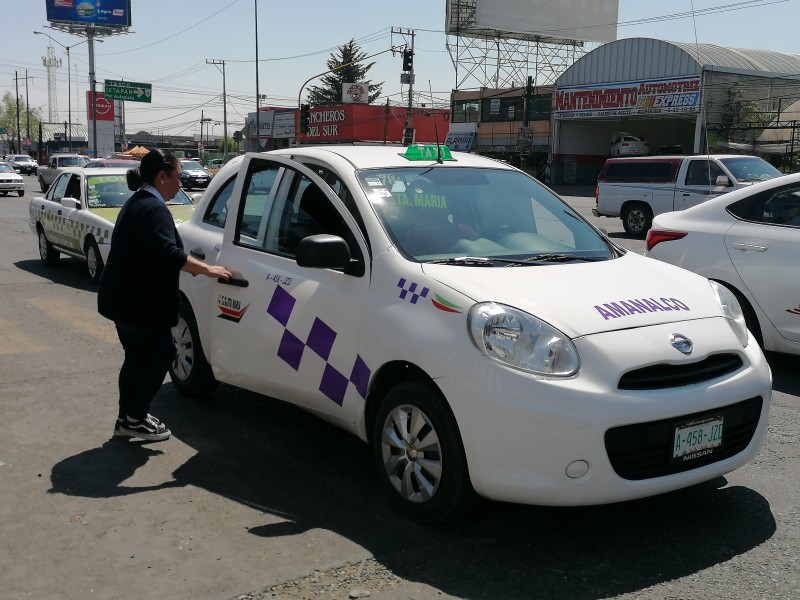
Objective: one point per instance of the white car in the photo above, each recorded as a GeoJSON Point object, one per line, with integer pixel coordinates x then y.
{"type": "Point", "coordinates": [626, 144]}
{"type": "Point", "coordinates": [76, 217]}
{"type": "Point", "coordinates": [748, 240]}
{"type": "Point", "coordinates": [10, 181]}
{"type": "Point", "coordinates": [469, 325]}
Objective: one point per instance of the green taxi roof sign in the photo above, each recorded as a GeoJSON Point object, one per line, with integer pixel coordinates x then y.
{"type": "Point", "coordinates": [427, 152]}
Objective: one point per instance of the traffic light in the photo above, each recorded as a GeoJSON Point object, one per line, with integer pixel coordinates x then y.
{"type": "Point", "coordinates": [408, 61]}
{"type": "Point", "coordinates": [305, 118]}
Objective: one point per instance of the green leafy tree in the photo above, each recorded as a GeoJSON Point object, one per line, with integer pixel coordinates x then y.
{"type": "Point", "coordinates": [356, 71]}
{"type": "Point", "coordinates": [8, 120]}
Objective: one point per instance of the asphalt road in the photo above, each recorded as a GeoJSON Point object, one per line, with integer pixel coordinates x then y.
{"type": "Point", "coordinates": [253, 498]}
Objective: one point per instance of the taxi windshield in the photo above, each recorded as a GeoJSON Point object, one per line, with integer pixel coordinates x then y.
{"type": "Point", "coordinates": [502, 217]}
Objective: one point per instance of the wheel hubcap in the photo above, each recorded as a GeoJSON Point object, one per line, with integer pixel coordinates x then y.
{"type": "Point", "coordinates": [184, 358]}
{"type": "Point", "coordinates": [412, 455]}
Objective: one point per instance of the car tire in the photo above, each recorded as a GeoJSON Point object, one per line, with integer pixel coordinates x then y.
{"type": "Point", "coordinates": [419, 454]}
{"type": "Point", "coordinates": [47, 252]}
{"type": "Point", "coordinates": [21, 193]}
{"type": "Point", "coordinates": [190, 372]}
{"type": "Point", "coordinates": [94, 261]}
{"type": "Point", "coordinates": [637, 218]}
{"type": "Point", "coordinates": [42, 185]}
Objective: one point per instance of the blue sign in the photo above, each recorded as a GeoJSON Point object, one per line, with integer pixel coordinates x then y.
{"type": "Point", "coordinates": [107, 13]}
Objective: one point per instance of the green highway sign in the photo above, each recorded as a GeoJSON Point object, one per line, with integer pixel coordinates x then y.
{"type": "Point", "coordinates": [130, 91]}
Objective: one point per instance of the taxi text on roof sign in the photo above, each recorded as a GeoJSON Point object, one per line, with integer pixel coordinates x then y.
{"type": "Point", "coordinates": [427, 152]}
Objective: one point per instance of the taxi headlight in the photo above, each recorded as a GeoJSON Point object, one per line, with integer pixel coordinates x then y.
{"type": "Point", "coordinates": [521, 341]}
{"type": "Point", "coordinates": [732, 311]}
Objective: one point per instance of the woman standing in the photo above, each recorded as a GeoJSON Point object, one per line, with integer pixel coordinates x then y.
{"type": "Point", "coordinates": [139, 290]}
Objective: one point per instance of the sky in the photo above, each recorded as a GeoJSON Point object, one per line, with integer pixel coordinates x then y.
{"type": "Point", "coordinates": [170, 42]}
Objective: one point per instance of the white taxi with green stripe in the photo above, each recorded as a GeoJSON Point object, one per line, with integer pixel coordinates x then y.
{"type": "Point", "coordinates": [76, 217]}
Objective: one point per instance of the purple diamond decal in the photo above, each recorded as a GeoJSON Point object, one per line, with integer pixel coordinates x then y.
{"type": "Point", "coordinates": [333, 385]}
{"type": "Point", "coordinates": [360, 377]}
{"type": "Point", "coordinates": [321, 338]}
{"type": "Point", "coordinates": [291, 349]}
{"type": "Point", "coordinates": [281, 305]}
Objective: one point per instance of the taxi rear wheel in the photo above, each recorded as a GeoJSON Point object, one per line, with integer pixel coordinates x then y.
{"type": "Point", "coordinates": [418, 450]}
{"type": "Point", "coordinates": [94, 262]}
{"type": "Point", "coordinates": [47, 253]}
{"type": "Point", "coordinates": [190, 372]}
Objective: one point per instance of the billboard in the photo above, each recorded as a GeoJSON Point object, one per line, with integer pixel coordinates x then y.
{"type": "Point", "coordinates": [640, 97]}
{"type": "Point", "coordinates": [106, 13]}
{"type": "Point", "coordinates": [588, 20]}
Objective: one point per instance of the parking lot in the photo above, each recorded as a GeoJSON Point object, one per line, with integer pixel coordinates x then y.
{"type": "Point", "coordinates": [252, 498]}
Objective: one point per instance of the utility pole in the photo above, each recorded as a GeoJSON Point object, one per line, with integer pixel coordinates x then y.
{"type": "Point", "coordinates": [27, 109]}
{"type": "Point", "coordinates": [258, 97]}
{"type": "Point", "coordinates": [16, 82]}
{"type": "Point", "coordinates": [224, 108]}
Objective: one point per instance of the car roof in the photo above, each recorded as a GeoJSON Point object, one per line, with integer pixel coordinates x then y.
{"type": "Point", "coordinates": [374, 156]}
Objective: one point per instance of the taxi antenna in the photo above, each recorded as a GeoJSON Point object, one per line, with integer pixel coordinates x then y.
{"type": "Point", "coordinates": [435, 128]}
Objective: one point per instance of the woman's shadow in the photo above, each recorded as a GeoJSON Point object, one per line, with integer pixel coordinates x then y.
{"type": "Point", "coordinates": [99, 472]}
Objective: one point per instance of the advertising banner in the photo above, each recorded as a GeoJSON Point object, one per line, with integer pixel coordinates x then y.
{"type": "Point", "coordinates": [643, 97]}
{"type": "Point", "coordinates": [107, 13]}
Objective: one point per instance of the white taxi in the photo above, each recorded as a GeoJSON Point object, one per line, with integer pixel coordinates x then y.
{"type": "Point", "coordinates": [76, 217]}
{"type": "Point", "coordinates": [470, 326]}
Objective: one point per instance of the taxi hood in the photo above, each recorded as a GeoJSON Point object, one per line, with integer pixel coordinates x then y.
{"type": "Point", "coordinates": [585, 298]}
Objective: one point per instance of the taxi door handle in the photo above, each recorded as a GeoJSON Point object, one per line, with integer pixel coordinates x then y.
{"type": "Point", "coordinates": [237, 281]}
{"type": "Point", "coordinates": [750, 247]}
{"type": "Point", "coordinates": [198, 253]}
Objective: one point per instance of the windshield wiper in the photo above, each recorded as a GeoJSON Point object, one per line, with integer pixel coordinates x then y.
{"type": "Point", "coordinates": [554, 257]}
{"type": "Point", "coordinates": [463, 261]}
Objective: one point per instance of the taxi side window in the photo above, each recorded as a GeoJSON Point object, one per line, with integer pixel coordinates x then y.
{"type": "Point", "coordinates": [341, 190]}
{"type": "Point", "coordinates": [303, 211]}
{"type": "Point", "coordinates": [217, 211]}
{"type": "Point", "coordinates": [73, 188]}
{"type": "Point", "coordinates": [251, 228]}
{"type": "Point", "coordinates": [60, 188]}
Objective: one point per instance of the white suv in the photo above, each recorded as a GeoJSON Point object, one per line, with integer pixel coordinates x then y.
{"type": "Point", "coordinates": [469, 325]}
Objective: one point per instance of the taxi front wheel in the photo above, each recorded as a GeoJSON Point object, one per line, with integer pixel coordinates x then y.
{"type": "Point", "coordinates": [190, 372]}
{"type": "Point", "coordinates": [419, 454]}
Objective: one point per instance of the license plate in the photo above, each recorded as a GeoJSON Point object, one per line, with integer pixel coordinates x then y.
{"type": "Point", "coordinates": [697, 438]}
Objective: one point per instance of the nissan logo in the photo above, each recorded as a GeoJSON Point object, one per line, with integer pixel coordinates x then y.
{"type": "Point", "coordinates": [681, 343]}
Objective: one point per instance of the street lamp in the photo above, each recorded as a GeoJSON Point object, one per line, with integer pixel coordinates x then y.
{"type": "Point", "coordinates": [69, 80]}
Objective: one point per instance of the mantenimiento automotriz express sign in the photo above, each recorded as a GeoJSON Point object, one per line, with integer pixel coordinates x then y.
{"type": "Point", "coordinates": [643, 97]}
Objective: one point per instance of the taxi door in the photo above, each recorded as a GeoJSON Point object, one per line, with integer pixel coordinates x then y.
{"type": "Point", "coordinates": [278, 328]}
{"type": "Point", "coordinates": [700, 183]}
{"type": "Point", "coordinates": [60, 221]}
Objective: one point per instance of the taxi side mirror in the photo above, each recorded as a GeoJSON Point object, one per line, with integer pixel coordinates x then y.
{"type": "Point", "coordinates": [323, 251]}
{"type": "Point", "coordinates": [70, 203]}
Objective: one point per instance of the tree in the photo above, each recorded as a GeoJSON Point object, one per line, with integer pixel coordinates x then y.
{"type": "Point", "coordinates": [331, 90]}
{"type": "Point", "coordinates": [8, 120]}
